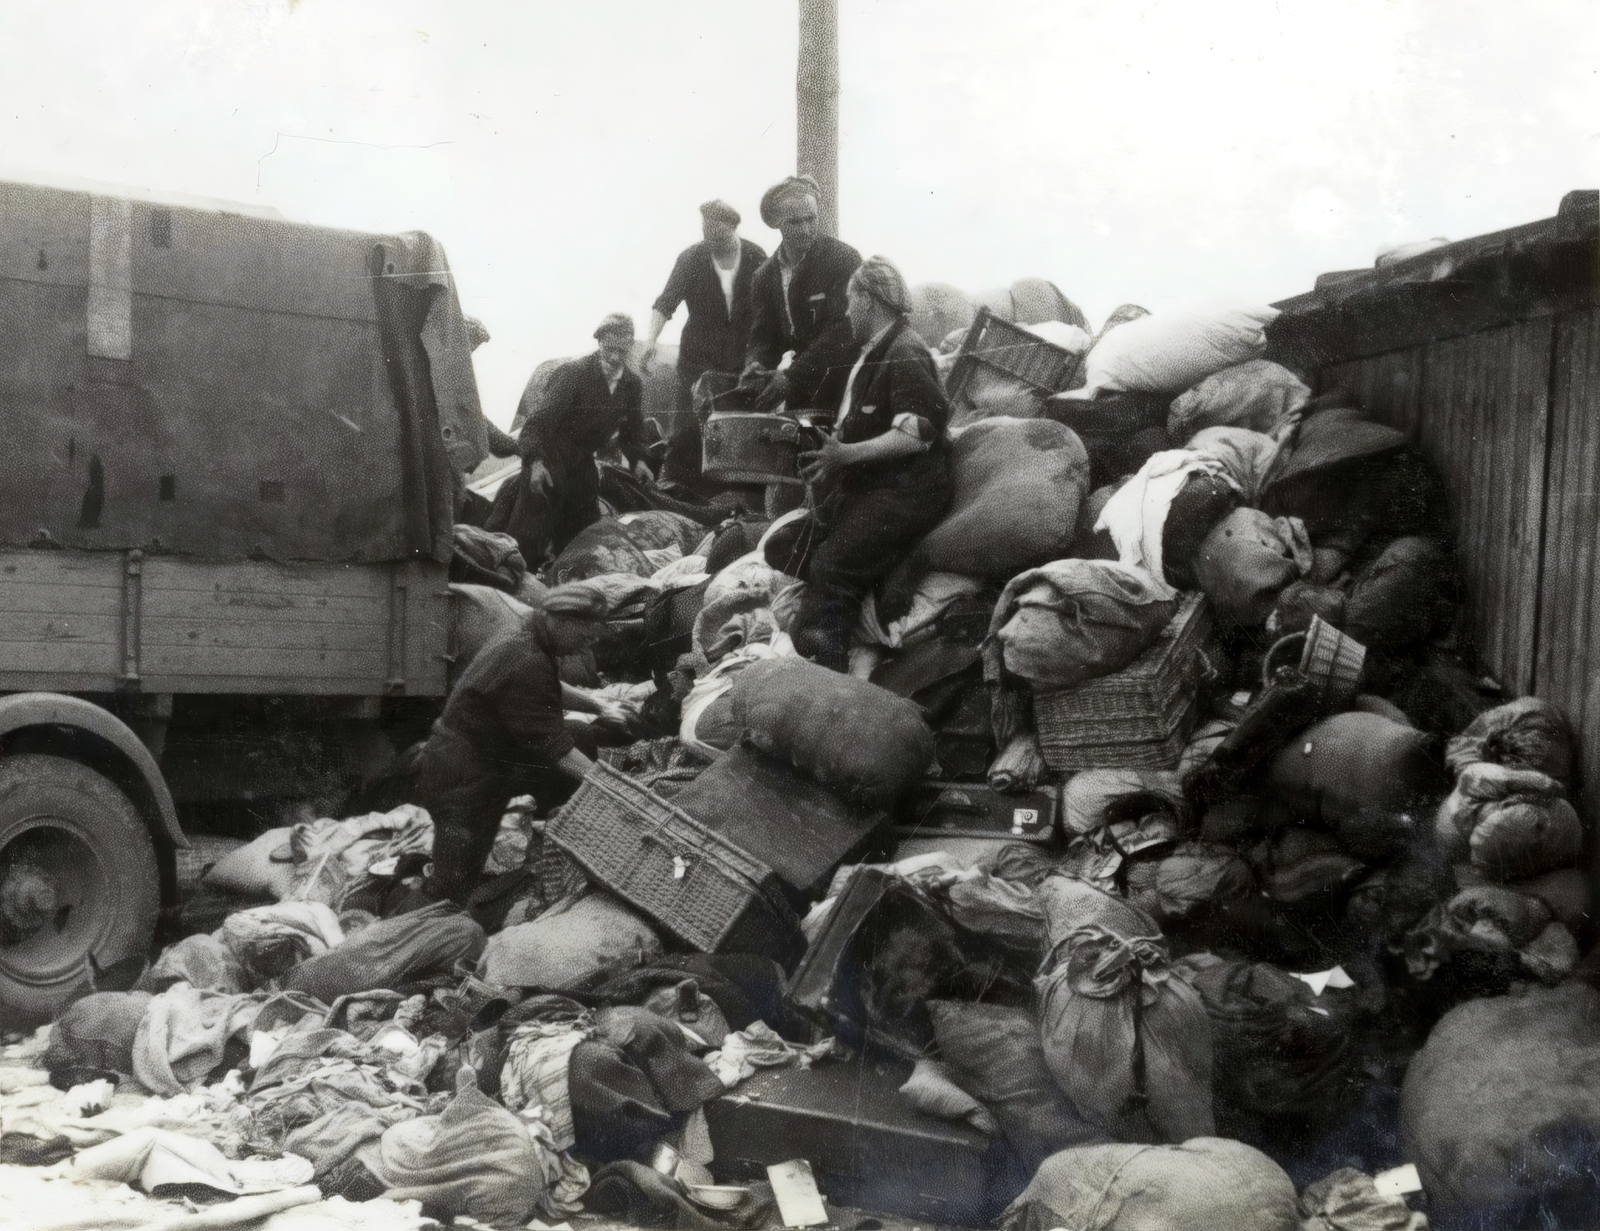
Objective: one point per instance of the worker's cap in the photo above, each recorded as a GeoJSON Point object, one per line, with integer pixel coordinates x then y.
{"type": "Point", "coordinates": [577, 600]}
{"type": "Point", "coordinates": [776, 196]}
{"type": "Point", "coordinates": [720, 211]}
{"type": "Point", "coordinates": [619, 323]}
{"type": "Point", "coordinates": [878, 277]}
{"type": "Point", "coordinates": [477, 334]}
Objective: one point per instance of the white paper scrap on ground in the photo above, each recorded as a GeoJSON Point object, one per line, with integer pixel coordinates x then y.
{"type": "Point", "coordinates": [799, 1202]}
{"type": "Point", "coordinates": [1324, 979]}
{"type": "Point", "coordinates": [1398, 1181]}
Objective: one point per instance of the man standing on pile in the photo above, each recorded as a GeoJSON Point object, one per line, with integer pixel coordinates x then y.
{"type": "Point", "coordinates": [714, 277]}
{"type": "Point", "coordinates": [503, 733]}
{"type": "Point", "coordinates": [880, 482]}
{"type": "Point", "coordinates": [587, 401]}
{"type": "Point", "coordinates": [799, 302]}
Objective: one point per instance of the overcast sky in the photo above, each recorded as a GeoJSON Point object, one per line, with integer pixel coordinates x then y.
{"type": "Point", "coordinates": [1157, 152]}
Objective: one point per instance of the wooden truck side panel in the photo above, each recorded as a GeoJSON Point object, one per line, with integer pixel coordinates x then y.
{"type": "Point", "coordinates": [95, 622]}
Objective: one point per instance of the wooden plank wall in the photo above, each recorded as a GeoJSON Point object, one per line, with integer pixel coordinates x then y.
{"type": "Point", "coordinates": [1512, 418]}
{"type": "Point", "coordinates": [1568, 664]}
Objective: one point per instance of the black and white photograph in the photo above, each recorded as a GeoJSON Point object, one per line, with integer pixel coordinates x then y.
{"type": "Point", "coordinates": [728, 615]}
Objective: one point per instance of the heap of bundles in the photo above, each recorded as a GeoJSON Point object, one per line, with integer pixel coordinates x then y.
{"type": "Point", "coordinates": [1164, 859]}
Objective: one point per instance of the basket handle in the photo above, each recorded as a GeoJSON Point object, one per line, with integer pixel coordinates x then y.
{"type": "Point", "coordinates": [1266, 663]}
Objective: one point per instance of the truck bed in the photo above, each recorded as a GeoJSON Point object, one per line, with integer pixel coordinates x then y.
{"type": "Point", "coordinates": [90, 622]}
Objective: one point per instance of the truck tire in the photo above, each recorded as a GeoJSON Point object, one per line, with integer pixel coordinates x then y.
{"type": "Point", "coordinates": [78, 876]}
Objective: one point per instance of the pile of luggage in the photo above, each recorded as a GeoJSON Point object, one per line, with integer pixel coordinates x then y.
{"type": "Point", "coordinates": [1163, 859]}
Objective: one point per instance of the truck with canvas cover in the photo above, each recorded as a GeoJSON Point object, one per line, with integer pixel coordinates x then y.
{"type": "Point", "coordinates": [233, 454]}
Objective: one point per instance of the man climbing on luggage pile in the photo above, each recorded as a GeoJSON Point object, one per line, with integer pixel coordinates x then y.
{"type": "Point", "coordinates": [880, 482]}
{"type": "Point", "coordinates": [587, 401]}
{"type": "Point", "coordinates": [714, 278]}
{"type": "Point", "coordinates": [798, 302]}
{"type": "Point", "coordinates": [503, 733]}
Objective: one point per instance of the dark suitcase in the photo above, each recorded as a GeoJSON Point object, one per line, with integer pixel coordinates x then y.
{"type": "Point", "coordinates": [777, 815]}
{"type": "Point", "coordinates": [869, 1148]}
{"type": "Point", "coordinates": [740, 447]}
{"type": "Point", "coordinates": [977, 810]}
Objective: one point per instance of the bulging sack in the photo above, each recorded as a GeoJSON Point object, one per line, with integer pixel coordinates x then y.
{"type": "Point", "coordinates": [1093, 799]}
{"type": "Point", "coordinates": [993, 1053]}
{"type": "Point", "coordinates": [1369, 779]}
{"type": "Point", "coordinates": [1072, 621]}
{"type": "Point", "coordinates": [1126, 1037]}
{"type": "Point", "coordinates": [1169, 352]}
{"type": "Point", "coordinates": [1518, 929]}
{"type": "Point", "coordinates": [1286, 1064]}
{"type": "Point", "coordinates": [1205, 1182]}
{"type": "Point", "coordinates": [1018, 484]}
{"type": "Point", "coordinates": [1247, 560]}
{"type": "Point", "coordinates": [1500, 1110]}
{"type": "Point", "coordinates": [1258, 394]}
{"type": "Point", "coordinates": [848, 734]}
{"type": "Point", "coordinates": [1511, 823]}
{"type": "Point", "coordinates": [1523, 734]}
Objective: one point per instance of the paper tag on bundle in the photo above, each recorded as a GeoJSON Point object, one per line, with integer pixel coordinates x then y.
{"type": "Point", "coordinates": [799, 1202]}
{"type": "Point", "coordinates": [1398, 1181]}
{"type": "Point", "coordinates": [1324, 979]}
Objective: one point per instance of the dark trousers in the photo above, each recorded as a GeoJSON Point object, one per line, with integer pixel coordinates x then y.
{"type": "Point", "coordinates": [465, 796]}
{"type": "Point", "coordinates": [845, 545]}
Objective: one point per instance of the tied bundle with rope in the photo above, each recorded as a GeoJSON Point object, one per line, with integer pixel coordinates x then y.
{"type": "Point", "coordinates": [1126, 1037]}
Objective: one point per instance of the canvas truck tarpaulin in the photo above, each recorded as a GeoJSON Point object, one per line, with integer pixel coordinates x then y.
{"type": "Point", "coordinates": [210, 384]}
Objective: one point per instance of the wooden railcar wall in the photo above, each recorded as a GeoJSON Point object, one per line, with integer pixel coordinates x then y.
{"type": "Point", "coordinates": [1512, 418]}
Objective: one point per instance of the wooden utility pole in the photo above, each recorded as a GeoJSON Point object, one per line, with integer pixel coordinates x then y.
{"type": "Point", "coordinates": [817, 105]}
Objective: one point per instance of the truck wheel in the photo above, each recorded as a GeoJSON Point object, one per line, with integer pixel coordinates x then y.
{"type": "Point", "coordinates": [78, 876]}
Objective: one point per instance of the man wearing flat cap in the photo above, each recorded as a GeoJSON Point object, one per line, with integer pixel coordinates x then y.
{"type": "Point", "coordinates": [881, 481]}
{"type": "Point", "coordinates": [586, 402]}
{"type": "Point", "coordinates": [503, 733]}
{"type": "Point", "coordinates": [799, 296]}
{"type": "Point", "coordinates": [714, 278]}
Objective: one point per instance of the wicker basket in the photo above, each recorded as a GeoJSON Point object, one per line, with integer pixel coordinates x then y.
{"type": "Point", "coordinates": [1017, 352]}
{"type": "Point", "coordinates": [1139, 718]}
{"type": "Point", "coordinates": [664, 862]}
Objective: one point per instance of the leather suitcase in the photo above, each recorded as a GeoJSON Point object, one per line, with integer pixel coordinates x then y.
{"type": "Point", "coordinates": [976, 810]}
{"type": "Point", "coordinates": [868, 1146]}
{"type": "Point", "coordinates": [768, 809]}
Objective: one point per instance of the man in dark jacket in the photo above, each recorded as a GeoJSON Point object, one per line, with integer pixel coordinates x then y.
{"type": "Point", "coordinates": [799, 303]}
{"type": "Point", "coordinates": [503, 734]}
{"type": "Point", "coordinates": [714, 278]}
{"type": "Point", "coordinates": [881, 481]}
{"type": "Point", "coordinates": [587, 401]}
